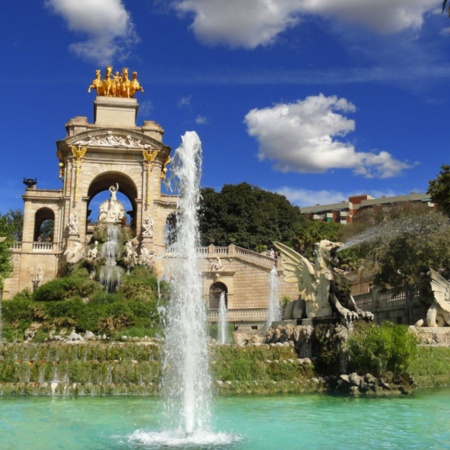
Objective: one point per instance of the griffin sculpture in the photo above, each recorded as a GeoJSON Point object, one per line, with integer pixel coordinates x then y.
{"type": "Point", "coordinates": [322, 286]}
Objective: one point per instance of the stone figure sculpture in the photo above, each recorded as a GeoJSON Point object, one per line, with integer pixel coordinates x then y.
{"type": "Point", "coordinates": [38, 278]}
{"type": "Point", "coordinates": [147, 227]}
{"type": "Point", "coordinates": [130, 256]}
{"type": "Point", "coordinates": [438, 314]}
{"type": "Point", "coordinates": [217, 265]}
{"type": "Point", "coordinates": [111, 210]}
{"type": "Point", "coordinates": [322, 286]}
{"type": "Point", "coordinates": [74, 253]}
{"type": "Point", "coordinates": [146, 258]}
{"type": "Point", "coordinates": [73, 225]}
{"type": "Point", "coordinates": [92, 253]}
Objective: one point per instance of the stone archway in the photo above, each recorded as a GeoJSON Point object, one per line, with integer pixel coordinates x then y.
{"type": "Point", "coordinates": [215, 291]}
{"type": "Point", "coordinates": [43, 216]}
{"type": "Point", "coordinates": [127, 187]}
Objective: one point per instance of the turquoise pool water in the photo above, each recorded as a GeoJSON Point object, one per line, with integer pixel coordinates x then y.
{"type": "Point", "coordinates": [421, 421]}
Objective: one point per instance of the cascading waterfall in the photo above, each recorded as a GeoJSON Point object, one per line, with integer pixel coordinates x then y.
{"type": "Point", "coordinates": [274, 309]}
{"type": "Point", "coordinates": [186, 377]}
{"type": "Point", "coordinates": [223, 320]}
{"type": "Point", "coordinates": [110, 273]}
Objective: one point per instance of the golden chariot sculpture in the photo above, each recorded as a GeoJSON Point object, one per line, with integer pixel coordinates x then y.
{"type": "Point", "coordinates": [115, 85]}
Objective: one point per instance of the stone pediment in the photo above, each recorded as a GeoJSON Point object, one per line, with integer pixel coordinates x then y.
{"type": "Point", "coordinates": [115, 138]}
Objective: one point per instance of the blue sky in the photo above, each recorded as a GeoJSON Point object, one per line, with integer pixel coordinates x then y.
{"type": "Point", "coordinates": [314, 99]}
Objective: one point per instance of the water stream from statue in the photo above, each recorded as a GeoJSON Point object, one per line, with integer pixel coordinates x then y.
{"type": "Point", "coordinates": [223, 320]}
{"type": "Point", "coordinates": [111, 273]}
{"type": "Point", "coordinates": [274, 308]}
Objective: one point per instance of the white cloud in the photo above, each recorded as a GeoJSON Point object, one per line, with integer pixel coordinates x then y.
{"type": "Point", "coordinates": [307, 137]}
{"type": "Point", "coordinates": [307, 197]}
{"type": "Point", "coordinates": [184, 101]}
{"type": "Point", "coordinates": [201, 120]}
{"type": "Point", "coordinates": [384, 16]}
{"type": "Point", "coordinates": [238, 24]}
{"type": "Point", "coordinates": [110, 30]}
{"type": "Point", "coordinates": [225, 21]}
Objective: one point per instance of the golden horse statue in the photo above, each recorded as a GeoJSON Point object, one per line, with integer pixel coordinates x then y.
{"type": "Point", "coordinates": [97, 83]}
{"type": "Point", "coordinates": [126, 84]}
{"type": "Point", "coordinates": [108, 82]}
{"type": "Point", "coordinates": [135, 86]}
{"type": "Point", "coordinates": [117, 85]}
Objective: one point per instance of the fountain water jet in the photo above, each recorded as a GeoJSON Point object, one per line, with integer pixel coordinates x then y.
{"type": "Point", "coordinates": [223, 320]}
{"type": "Point", "coordinates": [274, 309]}
{"type": "Point", "coordinates": [186, 379]}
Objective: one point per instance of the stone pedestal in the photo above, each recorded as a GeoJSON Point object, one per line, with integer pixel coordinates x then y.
{"type": "Point", "coordinates": [115, 111]}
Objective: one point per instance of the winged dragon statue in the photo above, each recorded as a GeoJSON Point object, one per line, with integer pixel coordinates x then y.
{"type": "Point", "coordinates": [321, 284]}
{"type": "Point", "coordinates": [438, 314]}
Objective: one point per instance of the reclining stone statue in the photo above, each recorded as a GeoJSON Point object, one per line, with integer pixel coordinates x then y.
{"type": "Point", "coordinates": [322, 286]}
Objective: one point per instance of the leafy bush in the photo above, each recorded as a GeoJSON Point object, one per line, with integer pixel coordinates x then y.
{"type": "Point", "coordinates": [379, 349]}
{"type": "Point", "coordinates": [140, 284]}
{"type": "Point", "coordinates": [65, 288]}
{"type": "Point", "coordinates": [77, 302]}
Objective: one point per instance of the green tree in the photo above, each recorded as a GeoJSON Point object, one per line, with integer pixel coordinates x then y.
{"type": "Point", "coordinates": [403, 250]}
{"type": "Point", "coordinates": [11, 230]}
{"type": "Point", "coordinates": [313, 232]}
{"type": "Point", "coordinates": [247, 216]}
{"type": "Point", "coordinates": [439, 190]}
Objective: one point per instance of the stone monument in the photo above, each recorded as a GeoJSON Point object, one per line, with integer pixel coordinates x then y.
{"type": "Point", "coordinates": [111, 153]}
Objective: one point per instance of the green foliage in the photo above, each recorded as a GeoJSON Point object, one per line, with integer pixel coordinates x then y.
{"type": "Point", "coordinates": [246, 364]}
{"type": "Point", "coordinates": [247, 216]}
{"type": "Point", "coordinates": [141, 284]}
{"type": "Point", "coordinates": [65, 288]}
{"type": "Point", "coordinates": [11, 225]}
{"type": "Point", "coordinates": [77, 302]}
{"type": "Point", "coordinates": [439, 190]}
{"type": "Point", "coordinates": [404, 258]}
{"type": "Point", "coordinates": [379, 349]}
{"type": "Point", "coordinates": [432, 366]}
{"type": "Point", "coordinates": [17, 317]}
{"type": "Point", "coordinates": [313, 232]}
{"type": "Point", "coordinates": [402, 247]}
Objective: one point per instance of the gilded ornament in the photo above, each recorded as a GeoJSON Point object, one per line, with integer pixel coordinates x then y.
{"type": "Point", "coordinates": [115, 85]}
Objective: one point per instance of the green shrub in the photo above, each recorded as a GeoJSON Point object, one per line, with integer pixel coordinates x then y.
{"type": "Point", "coordinates": [140, 284]}
{"type": "Point", "coordinates": [379, 349]}
{"type": "Point", "coordinates": [103, 297]}
{"type": "Point", "coordinates": [65, 288]}
{"type": "Point", "coordinates": [17, 313]}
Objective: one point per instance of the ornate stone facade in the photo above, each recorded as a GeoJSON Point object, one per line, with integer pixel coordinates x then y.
{"type": "Point", "coordinates": [112, 151]}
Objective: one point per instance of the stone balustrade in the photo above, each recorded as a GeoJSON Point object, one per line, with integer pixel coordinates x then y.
{"type": "Point", "coordinates": [235, 315]}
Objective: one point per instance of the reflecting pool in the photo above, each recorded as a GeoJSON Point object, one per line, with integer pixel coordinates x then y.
{"type": "Point", "coordinates": [257, 423]}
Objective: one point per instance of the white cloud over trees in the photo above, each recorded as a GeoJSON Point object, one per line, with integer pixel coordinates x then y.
{"type": "Point", "coordinates": [308, 137]}
{"type": "Point", "coordinates": [110, 31]}
{"type": "Point", "coordinates": [259, 22]}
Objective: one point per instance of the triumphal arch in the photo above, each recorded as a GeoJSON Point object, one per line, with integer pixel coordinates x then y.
{"type": "Point", "coordinates": [111, 154]}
